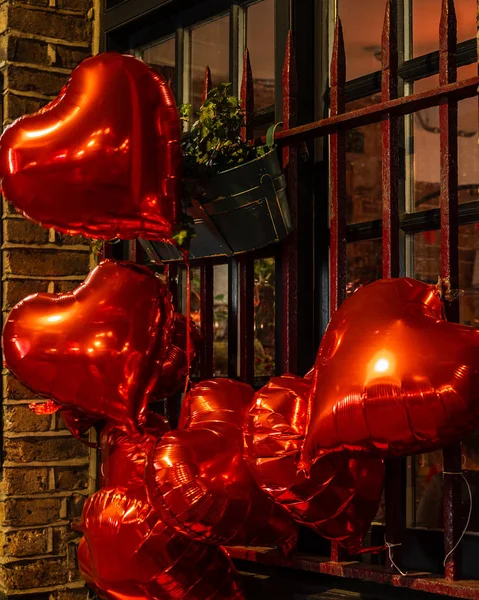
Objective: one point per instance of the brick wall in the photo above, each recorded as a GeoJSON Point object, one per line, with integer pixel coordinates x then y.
{"type": "Point", "coordinates": [46, 474]}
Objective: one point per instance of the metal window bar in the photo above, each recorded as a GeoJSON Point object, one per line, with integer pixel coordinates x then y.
{"type": "Point", "coordinates": [241, 270]}
{"type": "Point", "coordinates": [388, 111]}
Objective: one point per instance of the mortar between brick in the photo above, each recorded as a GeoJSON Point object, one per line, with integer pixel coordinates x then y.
{"type": "Point", "coordinates": [51, 40]}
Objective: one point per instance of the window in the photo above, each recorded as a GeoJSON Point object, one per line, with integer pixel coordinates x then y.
{"type": "Point", "coordinates": [217, 41]}
{"type": "Point", "coordinates": [268, 310]}
{"type": "Point", "coordinates": [207, 45]}
{"type": "Point", "coordinates": [161, 56]}
{"type": "Point", "coordinates": [259, 32]}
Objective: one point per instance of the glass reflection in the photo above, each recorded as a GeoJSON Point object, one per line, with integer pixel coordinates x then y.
{"type": "Point", "coordinates": [264, 316]}
{"type": "Point", "coordinates": [430, 486]}
{"type": "Point", "coordinates": [260, 43]}
{"type": "Point", "coordinates": [427, 148]}
{"type": "Point", "coordinates": [364, 167]}
{"type": "Point", "coordinates": [362, 31]}
{"type": "Point", "coordinates": [426, 18]}
{"type": "Point", "coordinates": [161, 57]}
{"type": "Point", "coordinates": [220, 333]}
{"type": "Point", "coordinates": [364, 263]}
{"type": "Point", "coordinates": [208, 46]}
{"type": "Point", "coordinates": [428, 467]}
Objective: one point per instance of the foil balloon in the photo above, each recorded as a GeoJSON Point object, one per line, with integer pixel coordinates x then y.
{"type": "Point", "coordinates": [98, 349]}
{"type": "Point", "coordinates": [98, 353]}
{"type": "Point", "coordinates": [127, 551]}
{"type": "Point", "coordinates": [392, 376]}
{"type": "Point", "coordinates": [174, 366]}
{"type": "Point", "coordinates": [340, 497]}
{"type": "Point", "coordinates": [103, 159]}
{"type": "Point", "coordinates": [199, 482]}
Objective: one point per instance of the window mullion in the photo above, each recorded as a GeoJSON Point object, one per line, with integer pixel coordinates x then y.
{"type": "Point", "coordinates": [182, 78]}
{"type": "Point", "coordinates": [237, 35]}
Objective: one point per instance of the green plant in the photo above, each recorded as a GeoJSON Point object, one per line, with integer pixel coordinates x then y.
{"type": "Point", "coordinates": [213, 144]}
{"type": "Point", "coordinates": [214, 141]}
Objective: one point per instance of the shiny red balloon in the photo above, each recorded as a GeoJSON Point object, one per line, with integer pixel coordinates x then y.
{"type": "Point", "coordinates": [199, 482]}
{"type": "Point", "coordinates": [103, 159]}
{"type": "Point", "coordinates": [340, 497]}
{"type": "Point", "coordinates": [392, 376]}
{"type": "Point", "coordinates": [127, 552]}
{"type": "Point", "coordinates": [98, 349]}
{"type": "Point", "coordinates": [174, 368]}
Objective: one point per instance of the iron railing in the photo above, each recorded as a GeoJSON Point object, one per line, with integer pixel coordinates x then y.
{"type": "Point", "coordinates": [241, 271]}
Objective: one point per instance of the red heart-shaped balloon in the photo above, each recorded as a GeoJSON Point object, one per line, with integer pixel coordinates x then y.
{"type": "Point", "coordinates": [103, 159]}
{"type": "Point", "coordinates": [198, 480]}
{"type": "Point", "coordinates": [340, 497]}
{"type": "Point", "coordinates": [98, 349]}
{"type": "Point", "coordinates": [392, 376]}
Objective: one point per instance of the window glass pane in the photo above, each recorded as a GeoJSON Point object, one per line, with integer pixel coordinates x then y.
{"type": "Point", "coordinates": [426, 18]}
{"type": "Point", "coordinates": [362, 29]}
{"type": "Point", "coordinates": [427, 148]}
{"type": "Point", "coordinates": [470, 464]}
{"type": "Point", "coordinates": [363, 168]}
{"type": "Point", "coordinates": [220, 308]}
{"type": "Point", "coordinates": [469, 274]}
{"type": "Point", "coordinates": [364, 260]}
{"type": "Point", "coordinates": [208, 47]}
{"type": "Point", "coordinates": [161, 56]}
{"type": "Point", "coordinates": [426, 267]}
{"type": "Point", "coordinates": [264, 316]}
{"type": "Point", "coordinates": [427, 256]}
{"type": "Point", "coordinates": [195, 294]}
{"type": "Point", "coordinates": [260, 43]}
{"type": "Point", "coordinates": [428, 467]}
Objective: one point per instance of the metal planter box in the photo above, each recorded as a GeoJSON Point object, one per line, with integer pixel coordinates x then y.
{"type": "Point", "coordinates": [243, 209]}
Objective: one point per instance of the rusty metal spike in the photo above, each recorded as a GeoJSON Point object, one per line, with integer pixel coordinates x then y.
{"type": "Point", "coordinates": [247, 98]}
{"type": "Point", "coordinates": [447, 43]}
{"type": "Point", "coordinates": [389, 53]}
{"type": "Point", "coordinates": [207, 84]}
{"type": "Point", "coordinates": [338, 70]}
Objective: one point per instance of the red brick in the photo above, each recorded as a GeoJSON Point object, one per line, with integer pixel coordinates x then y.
{"type": "Point", "coordinates": [14, 390]}
{"type": "Point", "coordinates": [29, 79]}
{"type": "Point", "coordinates": [15, 107]}
{"type": "Point", "coordinates": [36, 2]}
{"type": "Point", "coordinates": [62, 287]}
{"type": "Point", "coordinates": [8, 208]}
{"type": "Point", "coordinates": [72, 595]}
{"type": "Point", "coordinates": [71, 478]}
{"type": "Point", "coordinates": [62, 537]}
{"type": "Point", "coordinates": [75, 505]}
{"type": "Point", "coordinates": [72, 240]}
{"type": "Point", "coordinates": [21, 231]}
{"type": "Point", "coordinates": [24, 575]}
{"type": "Point", "coordinates": [31, 511]}
{"type": "Point", "coordinates": [45, 263]}
{"type": "Point", "coordinates": [69, 58]}
{"type": "Point", "coordinates": [25, 450]}
{"type": "Point", "coordinates": [50, 24]}
{"type": "Point", "coordinates": [26, 50]}
{"type": "Point", "coordinates": [27, 542]}
{"type": "Point", "coordinates": [15, 290]}
{"type": "Point", "coordinates": [19, 480]}
{"type": "Point", "coordinates": [78, 5]}
{"type": "Point", "coordinates": [22, 419]}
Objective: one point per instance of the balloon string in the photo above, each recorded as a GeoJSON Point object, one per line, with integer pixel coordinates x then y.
{"type": "Point", "coordinates": [461, 473]}
{"type": "Point", "coordinates": [391, 560]}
